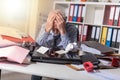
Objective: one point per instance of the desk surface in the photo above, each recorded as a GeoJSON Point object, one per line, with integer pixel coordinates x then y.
{"type": "Point", "coordinates": [61, 71]}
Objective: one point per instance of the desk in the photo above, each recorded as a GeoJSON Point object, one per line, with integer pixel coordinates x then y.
{"type": "Point", "coordinates": [57, 71]}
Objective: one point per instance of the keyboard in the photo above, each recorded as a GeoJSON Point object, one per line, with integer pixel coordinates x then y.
{"type": "Point", "coordinates": [56, 60]}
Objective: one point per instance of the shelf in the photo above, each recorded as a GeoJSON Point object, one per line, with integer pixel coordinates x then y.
{"type": "Point", "coordinates": [94, 16]}
{"type": "Point", "coordinates": [93, 3]}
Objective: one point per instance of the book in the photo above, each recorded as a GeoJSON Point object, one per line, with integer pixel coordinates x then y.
{"type": "Point", "coordinates": [14, 53]}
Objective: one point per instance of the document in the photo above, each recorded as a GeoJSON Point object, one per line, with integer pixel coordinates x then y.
{"type": "Point", "coordinates": [5, 43]}
{"type": "Point", "coordinates": [95, 47]}
{"type": "Point", "coordinates": [42, 50]}
{"type": "Point", "coordinates": [90, 50]}
{"type": "Point", "coordinates": [14, 53]}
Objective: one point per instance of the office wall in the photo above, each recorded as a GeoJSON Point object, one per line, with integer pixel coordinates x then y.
{"type": "Point", "coordinates": [28, 17]}
{"type": "Point", "coordinates": [45, 6]}
{"type": "Point", "coordinates": [13, 13]}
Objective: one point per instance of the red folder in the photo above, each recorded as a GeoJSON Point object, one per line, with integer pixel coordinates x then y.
{"type": "Point", "coordinates": [26, 39]}
{"type": "Point", "coordinates": [85, 28]}
{"type": "Point", "coordinates": [79, 13]}
{"type": "Point", "coordinates": [80, 32]}
{"type": "Point", "coordinates": [119, 20]}
{"type": "Point", "coordinates": [112, 15]}
{"type": "Point", "coordinates": [71, 12]}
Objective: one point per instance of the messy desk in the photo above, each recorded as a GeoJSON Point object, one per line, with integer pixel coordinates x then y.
{"type": "Point", "coordinates": [61, 71]}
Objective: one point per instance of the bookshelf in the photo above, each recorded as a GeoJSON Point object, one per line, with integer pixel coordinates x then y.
{"type": "Point", "coordinates": [96, 20]}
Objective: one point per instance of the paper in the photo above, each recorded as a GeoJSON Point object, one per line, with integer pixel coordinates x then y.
{"type": "Point", "coordinates": [90, 50]}
{"type": "Point", "coordinates": [14, 53]}
{"type": "Point", "coordinates": [71, 47]}
{"type": "Point", "coordinates": [42, 50]}
{"type": "Point", "coordinates": [5, 43]}
{"type": "Point", "coordinates": [61, 52]}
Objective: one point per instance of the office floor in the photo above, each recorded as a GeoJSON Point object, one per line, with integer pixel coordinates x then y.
{"type": "Point", "coordinates": [7, 75]}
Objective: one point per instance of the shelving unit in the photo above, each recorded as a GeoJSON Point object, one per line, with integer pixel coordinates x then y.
{"type": "Point", "coordinates": [96, 15]}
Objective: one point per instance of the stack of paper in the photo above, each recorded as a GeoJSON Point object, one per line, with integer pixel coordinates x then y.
{"type": "Point", "coordinates": [14, 53]}
{"type": "Point", "coordinates": [5, 43]}
{"type": "Point", "coordinates": [96, 48]}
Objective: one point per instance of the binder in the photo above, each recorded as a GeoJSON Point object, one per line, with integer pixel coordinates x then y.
{"type": "Point", "coordinates": [71, 12]}
{"type": "Point", "coordinates": [83, 13]}
{"type": "Point", "coordinates": [75, 16]}
{"type": "Point", "coordinates": [97, 36]}
{"type": "Point", "coordinates": [104, 35]}
{"type": "Point", "coordinates": [109, 37]}
{"type": "Point", "coordinates": [85, 28]}
{"type": "Point", "coordinates": [93, 33]}
{"type": "Point", "coordinates": [117, 11]}
{"type": "Point", "coordinates": [114, 37]}
{"type": "Point", "coordinates": [118, 39]}
{"type": "Point", "coordinates": [79, 19]}
{"type": "Point", "coordinates": [112, 14]}
{"type": "Point", "coordinates": [119, 20]}
{"type": "Point", "coordinates": [80, 32]}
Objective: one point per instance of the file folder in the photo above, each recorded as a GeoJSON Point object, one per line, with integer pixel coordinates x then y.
{"type": "Point", "coordinates": [71, 12]}
{"type": "Point", "coordinates": [75, 16]}
{"type": "Point", "coordinates": [93, 33]}
{"type": "Point", "coordinates": [83, 12]}
{"type": "Point", "coordinates": [79, 19]}
{"type": "Point", "coordinates": [112, 15]}
{"type": "Point", "coordinates": [118, 39]}
{"type": "Point", "coordinates": [119, 19]}
{"type": "Point", "coordinates": [97, 36]}
{"type": "Point", "coordinates": [117, 12]}
{"type": "Point", "coordinates": [109, 37]}
{"type": "Point", "coordinates": [80, 32]}
{"type": "Point", "coordinates": [114, 37]}
{"type": "Point", "coordinates": [85, 28]}
{"type": "Point", "coordinates": [104, 35]}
